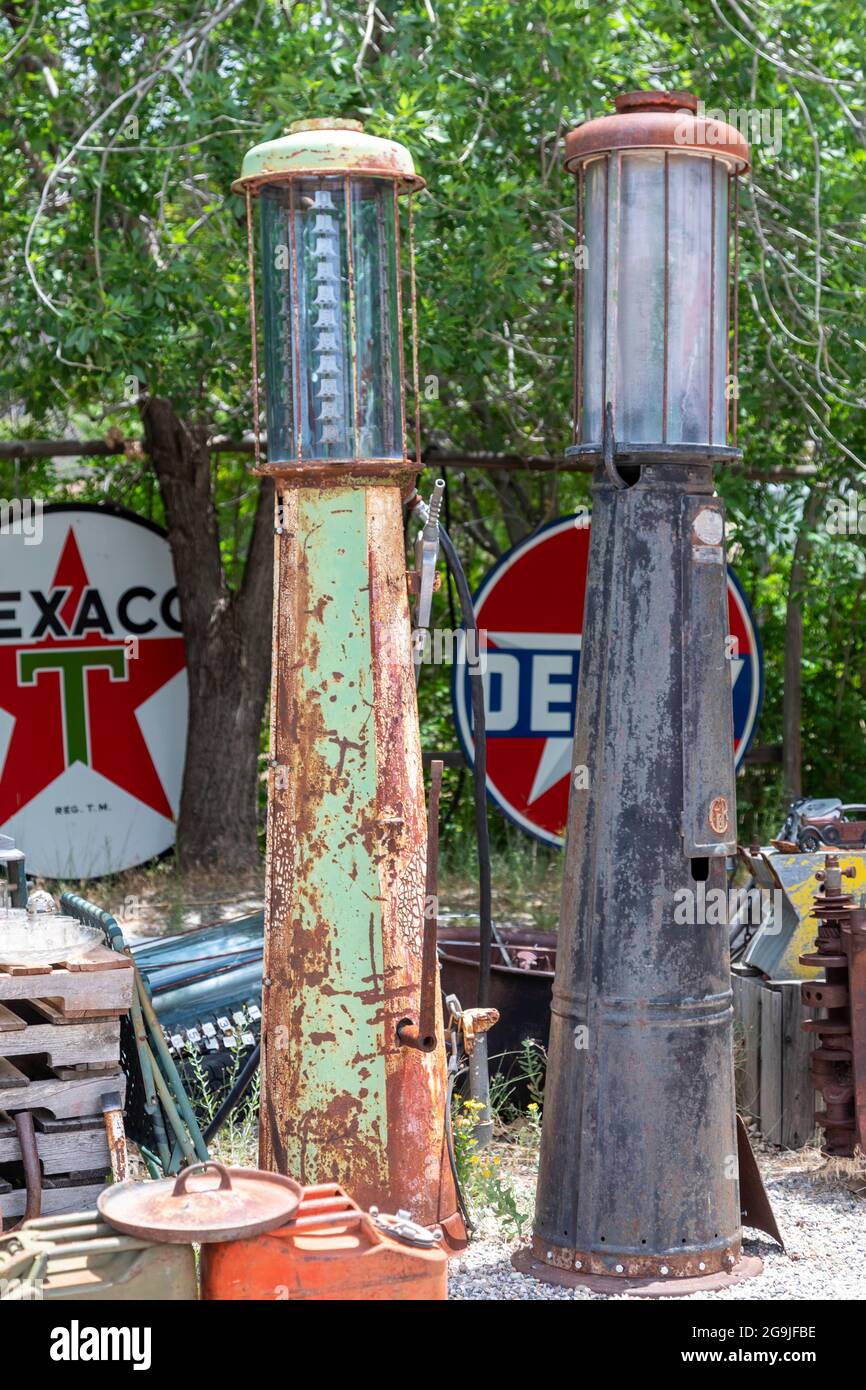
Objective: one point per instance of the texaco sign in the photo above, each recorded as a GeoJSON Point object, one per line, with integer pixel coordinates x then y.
{"type": "Point", "coordinates": [93, 695]}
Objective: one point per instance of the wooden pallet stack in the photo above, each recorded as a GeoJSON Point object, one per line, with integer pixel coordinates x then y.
{"type": "Point", "coordinates": [59, 1054]}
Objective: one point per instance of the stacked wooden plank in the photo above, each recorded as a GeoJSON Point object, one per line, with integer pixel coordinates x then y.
{"type": "Point", "coordinates": [59, 1054]}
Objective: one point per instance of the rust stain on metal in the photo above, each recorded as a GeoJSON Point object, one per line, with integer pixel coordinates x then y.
{"type": "Point", "coordinates": [416, 1081]}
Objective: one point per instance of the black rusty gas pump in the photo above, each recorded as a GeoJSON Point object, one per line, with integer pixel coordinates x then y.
{"type": "Point", "coordinates": [639, 1178]}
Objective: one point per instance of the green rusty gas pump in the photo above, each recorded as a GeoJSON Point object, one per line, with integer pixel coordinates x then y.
{"type": "Point", "coordinates": [353, 1082]}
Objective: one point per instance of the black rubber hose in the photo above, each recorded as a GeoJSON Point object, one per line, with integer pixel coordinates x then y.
{"type": "Point", "coordinates": [479, 776]}
{"type": "Point", "coordinates": [452, 1157]}
{"type": "Point", "coordinates": [236, 1094]}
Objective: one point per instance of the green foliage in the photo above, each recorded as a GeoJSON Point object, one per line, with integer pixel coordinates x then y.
{"type": "Point", "coordinates": [125, 265]}
{"type": "Point", "coordinates": [479, 1173]}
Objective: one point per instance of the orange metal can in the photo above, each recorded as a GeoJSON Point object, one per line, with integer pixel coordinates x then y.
{"type": "Point", "coordinates": [332, 1250]}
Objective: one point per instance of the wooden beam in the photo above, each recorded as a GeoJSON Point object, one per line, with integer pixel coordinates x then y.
{"type": "Point", "coordinates": [433, 458]}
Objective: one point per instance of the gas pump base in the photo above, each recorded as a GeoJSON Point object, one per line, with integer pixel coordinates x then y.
{"type": "Point", "coordinates": [527, 1262]}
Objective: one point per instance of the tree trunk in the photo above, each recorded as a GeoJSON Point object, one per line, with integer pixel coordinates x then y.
{"type": "Point", "coordinates": [792, 695]}
{"type": "Point", "coordinates": [228, 649]}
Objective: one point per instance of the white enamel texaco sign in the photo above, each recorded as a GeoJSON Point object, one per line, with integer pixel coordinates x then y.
{"type": "Point", "coordinates": [93, 693]}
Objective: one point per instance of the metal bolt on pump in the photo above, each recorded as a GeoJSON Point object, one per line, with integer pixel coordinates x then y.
{"type": "Point", "coordinates": [638, 1185]}
{"type": "Point", "coordinates": [353, 1065]}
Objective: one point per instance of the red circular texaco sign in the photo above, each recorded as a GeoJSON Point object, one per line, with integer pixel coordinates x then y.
{"type": "Point", "coordinates": [93, 693]}
{"type": "Point", "coordinates": [531, 607]}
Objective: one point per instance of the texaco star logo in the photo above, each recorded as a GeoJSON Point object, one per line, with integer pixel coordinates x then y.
{"type": "Point", "coordinates": [92, 693]}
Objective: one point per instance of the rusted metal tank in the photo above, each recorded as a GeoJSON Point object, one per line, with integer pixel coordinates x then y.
{"type": "Point", "coordinates": [332, 1252]}
{"type": "Point", "coordinates": [521, 977]}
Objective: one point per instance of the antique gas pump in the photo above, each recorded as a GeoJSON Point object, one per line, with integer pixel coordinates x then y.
{"type": "Point", "coordinates": [639, 1174]}
{"type": "Point", "coordinates": [353, 1077]}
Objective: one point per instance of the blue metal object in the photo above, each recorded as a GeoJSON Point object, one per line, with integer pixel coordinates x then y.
{"type": "Point", "coordinates": [165, 1100]}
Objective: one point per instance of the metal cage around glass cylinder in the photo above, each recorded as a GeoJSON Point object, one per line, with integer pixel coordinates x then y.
{"type": "Point", "coordinates": [331, 290]}
{"type": "Point", "coordinates": [655, 287]}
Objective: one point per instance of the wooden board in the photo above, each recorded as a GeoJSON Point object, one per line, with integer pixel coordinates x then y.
{"type": "Point", "coordinates": [9, 1021]}
{"type": "Point", "coordinates": [11, 967]}
{"type": "Point", "coordinates": [54, 1200]}
{"type": "Point", "coordinates": [94, 958]}
{"type": "Point", "coordinates": [93, 1042]}
{"type": "Point", "coordinates": [81, 1096]}
{"type": "Point", "coordinates": [52, 1012]}
{"type": "Point", "coordinates": [747, 1014]}
{"type": "Point", "coordinates": [76, 990]}
{"type": "Point", "coordinates": [798, 1095]}
{"type": "Point", "coordinates": [63, 1152]}
{"type": "Point", "coordinates": [771, 1064]}
{"type": "Point", "coordinates": [11, 1079]}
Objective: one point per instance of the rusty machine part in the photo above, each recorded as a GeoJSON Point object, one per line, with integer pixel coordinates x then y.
{"type": "Point", "coordinates": [242, 1202]}
{"type": "Point", "coordinates": [833, 1063]}
{"type": "Point", "coordinates": [854, 941]}
{"type": "Point", "coordinates": [115, 1133]}
{"type": "Point", "coordinates": [346, 953]}
{"type": "Point", "coordinates": [638, 1177]}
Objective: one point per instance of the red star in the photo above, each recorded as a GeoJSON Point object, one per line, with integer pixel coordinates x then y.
{"type": "Point", "coordinates": [117, 748]}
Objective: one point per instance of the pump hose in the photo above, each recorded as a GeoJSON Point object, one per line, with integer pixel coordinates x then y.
{"type": "Point", "coordinates": [479, 775]}
{"type": "Point", "coordinates": [241, 1085]}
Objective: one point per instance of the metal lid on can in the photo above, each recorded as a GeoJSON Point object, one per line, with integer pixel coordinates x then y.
{"type": "Point", "coordinates": [205, 1203]}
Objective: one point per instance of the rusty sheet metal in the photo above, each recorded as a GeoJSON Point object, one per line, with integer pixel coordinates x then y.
{"type": "Point", "coordinates": [422, 1032]}
{"type": "Point", "coordinates": [777, 948]}
{"type": "Point", "coordinates": [755, 1206]}
{"type": "Point", "coordinates": [639, 1152]}
{"type": "Point", "coordinates": [419, 1172]}
{"type": "Point", "coordinates": [342, 1100]}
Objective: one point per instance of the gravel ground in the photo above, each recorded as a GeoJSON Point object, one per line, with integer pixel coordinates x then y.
{"type": "Point", "coordinates": [821, 1214]}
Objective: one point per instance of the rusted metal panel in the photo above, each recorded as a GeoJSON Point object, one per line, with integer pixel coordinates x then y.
{"type": "Point", "coordinates": [343, 1101]}
{"type": "Point", "coordinates": [323, 1028]}
{"type": "Point", "coordinates": [416, 1082]}
{"type": "Point", "coordinates": [709, 820]}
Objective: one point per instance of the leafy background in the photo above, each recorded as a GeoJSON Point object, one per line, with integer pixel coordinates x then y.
{"type": "Point", "coordinates": [124, 269]}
